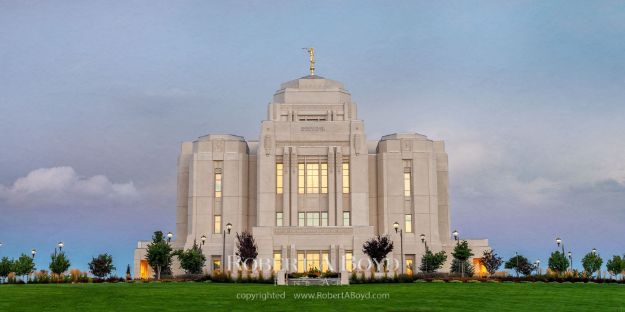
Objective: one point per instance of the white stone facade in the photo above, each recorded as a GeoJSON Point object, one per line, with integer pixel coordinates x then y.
{"type": "Point", "coordinates": [338, 189]}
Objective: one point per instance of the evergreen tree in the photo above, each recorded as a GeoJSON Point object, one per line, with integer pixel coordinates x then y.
{"type": "Point", "coordinates": [461, 267]}
{"type": "Point", "coordinates": [431, 262]}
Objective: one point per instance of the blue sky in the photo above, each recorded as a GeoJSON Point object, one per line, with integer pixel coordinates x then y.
{"type": "Point", "coordinates": [96, 97]}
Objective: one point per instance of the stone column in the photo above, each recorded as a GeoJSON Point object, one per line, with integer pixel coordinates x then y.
{"type": "Point", "coordinates": [286, 186]}
{"type": "Point", "coordinates": [331, 187]}
{"type": "Point", "coordinates": [339, 187]}
{"type": "Point", "coordinates": [293, 190]}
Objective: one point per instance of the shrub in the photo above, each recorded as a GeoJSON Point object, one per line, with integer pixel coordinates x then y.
{"type": "Point", "coordinates": [192, 260]}
{"type": "Point", "coordinates": [431, 262]}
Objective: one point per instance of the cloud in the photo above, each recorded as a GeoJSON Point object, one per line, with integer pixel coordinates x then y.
{"type": "Point", "coordinates": [63, 184]}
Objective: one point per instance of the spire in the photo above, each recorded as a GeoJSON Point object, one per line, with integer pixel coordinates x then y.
{"type": "Point", "coordinates": [311, 53]}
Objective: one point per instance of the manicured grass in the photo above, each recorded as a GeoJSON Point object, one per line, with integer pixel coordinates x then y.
{"type": "Point", "coordinates": [403, 297]}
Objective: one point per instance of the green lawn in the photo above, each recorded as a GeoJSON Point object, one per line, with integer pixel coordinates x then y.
{"type": "Point", "coordinates": [402, 297]}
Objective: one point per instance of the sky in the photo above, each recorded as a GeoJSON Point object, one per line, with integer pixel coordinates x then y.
{"type": "Point", "coordinates": [97, 96]}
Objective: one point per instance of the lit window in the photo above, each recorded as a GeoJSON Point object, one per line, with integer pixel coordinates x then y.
{"type": "Point", "coordinates": [312, 219]}
{"type": "Point", "coordinates": [346, 218]}
{"type": "Point", "coordinates": [312, 260]}
{"type": "Point", "coordinates": [324, 178]}
{"type": "Point", "coordinates": [217, 224]}
{"type": "Point", "coordinates": [408, 223]}
{"type": "Point", "coordinates": [345, 178]}
{"type": "Point", "coordinates": [279, 220]}
{"type": "Point", "coordinates": [312, 178]}
{"type": "Point", "coordinates": [407, 192]}
{"type": "Point", "coordinates": [300, 262]}
{"type": "Point", "coordinates": [218, 183]}
{"type": "Point", "coordinates": [300, 179]}
{"type": "Point", "coordinates": [216, 262]}
{"type": "Point", "coordinates": [348, 261]}
{"type": "Point", "coordinates": [301, 219]}
{"type": "Point", "coordinates": [409, 266]}
{"type": "Point", "coordinates": [277, 261]}
{"type": "Point", "coordinates": [324, 219]}
{"type": "Point", "coordinates": [279, 178]}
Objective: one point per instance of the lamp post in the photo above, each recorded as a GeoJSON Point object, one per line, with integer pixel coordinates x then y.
{"type": "Point", "coordinates": [571, 260]}
{"type": "Point", "coordinates": [538, 266]}
{"type": "Point", "coordinates": [169, 236]}
{"type": "Point", "coordinates": [203, 238]}
{"type": "Point", "coordinates": [223, 255]}
{"type": "Point", "coordinates": [401, 244]}
{"type": "Point", "coordinates": [426, 251]}
{"type": "Point", "coordinates": [516, 256]}
{"type": "Point", "coordinates": [457, 238]}
{"type": "Point", "coordinates": [60, 244]}
{"type": "Point", "coordinates": [33, 253]}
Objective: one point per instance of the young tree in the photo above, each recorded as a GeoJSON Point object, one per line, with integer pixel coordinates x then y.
{"type": "Point", "coordinates": [461, 253]}
{"type": "Point", "coordinates": [59, 263]}
{"type": "Point", "coordinates": [615, 266]}
{"type": "Point", "coordinates": [159, 254]}
{"type": "Point", "coordinates": [491, 261]}
{"type": "Point", "coordinates": [24, 265]}
{"type": "Point", "coordinates": [128, 275]}
{"type": "Point", "coordinates": [6, 266]}
{"type": "Point", "coordinates": [592, 263]}
{"type": "Point", "coordinates": [558, 262]}
{"type": "Point", "coordinates": [102, 265]}
{"type": "Point", "coordinates": [519, 264]}
{"type": "Point", "coordinates": [377, 248]}
{"type": "Point", "coordinates": [246, 248]}
{"type": "Point", "coordinates": [431, 262]}
{"type": "Point", "coordinates": [191, 260]}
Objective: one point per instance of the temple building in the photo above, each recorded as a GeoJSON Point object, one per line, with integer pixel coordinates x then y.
{"type": "Point", "coordinates": [312, 187]}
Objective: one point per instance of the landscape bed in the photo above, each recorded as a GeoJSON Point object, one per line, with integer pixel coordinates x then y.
{"type": "Point", "coordinates": [192, 296]}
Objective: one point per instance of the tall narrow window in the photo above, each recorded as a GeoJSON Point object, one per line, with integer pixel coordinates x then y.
{"type": "Point", "coordinates": [408, 223]}
{"type": "Point", "coordinates": [312, 178]}
{"type": "Point", "coordinates": [300, 262]}
{"type": "Point", "coordinates": [279, 178]}
{"type": "Point", "coordinates": [348, 261]}
{"type": "Point", "coordinates": [346, 218]}
{"type": "Point", "coordinates": [301, 186]}
{"type": "Point", "coordinates": [217, 224]}
{"type": "Point", "coordinates": [324, 178]}
{"type": "Point", "coordinates": [277, 261]}
{"type": "Point", "coordinates": [279, 219]}
{"type": "Point", "coordinates": [345, 170]}
{"type": "Point", "coordinates": [407, 192]}
{"type": "Point", "coordinates": [301, 219]}
{"type": "Point", "coordinates": [324, 219]}
{"type": "Point", "coordinates": [218, 183]}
